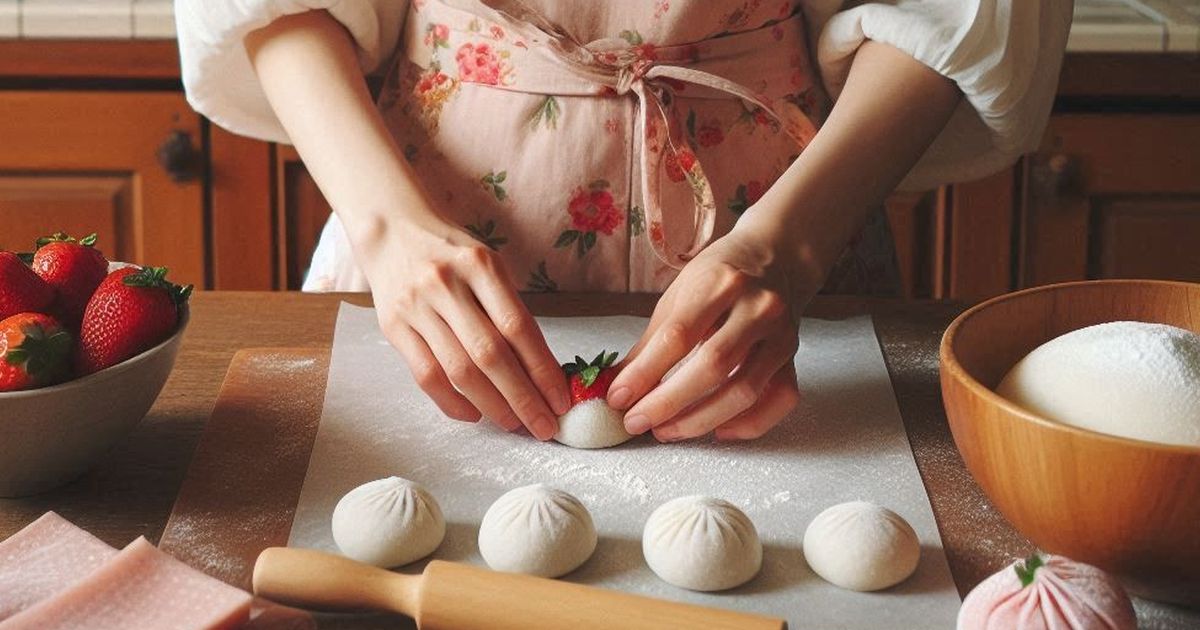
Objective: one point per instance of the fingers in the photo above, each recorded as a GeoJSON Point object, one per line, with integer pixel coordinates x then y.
{"type": "Point", "coordinates": [502, 305]}
{"type": "Point", "coordinates": [700, 374]}
{"type": "Point", "coordinates": [462, 371]}
{"type": "Point", "coordinates": [738, 395]}
{"type": "Point", "coordinates": [492, 357]}
{"type": "Point", "coordinates": [779, 399]}
{"type": "Point", "coordinates": [686, 323]}
{"type": "Point", "coordinates": [429, 375]}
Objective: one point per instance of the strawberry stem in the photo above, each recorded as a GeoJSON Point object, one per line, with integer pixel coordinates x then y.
{"type": "Point", "coordinates": [156, 278]}
{"type": "Point", "coordinates": [41, 354]}
{"type": "Point", "coordinates": [589, 371]}
{"type": "Point", "coordinates": [1026, 569]}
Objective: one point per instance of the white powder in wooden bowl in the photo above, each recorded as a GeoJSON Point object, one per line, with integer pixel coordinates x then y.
{"type": "Point", "coordinates": [1130, 379]}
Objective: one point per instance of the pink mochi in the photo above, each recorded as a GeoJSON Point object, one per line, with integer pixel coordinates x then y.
{"type": "Point", "coordinates": [1048, 592]}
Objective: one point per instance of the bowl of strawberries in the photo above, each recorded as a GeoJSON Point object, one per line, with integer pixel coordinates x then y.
{"type": "Point", "coordinates": [86, 346]}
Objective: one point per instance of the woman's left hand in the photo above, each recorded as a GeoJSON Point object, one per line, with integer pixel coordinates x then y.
{"type": "Point", "coordinates": [737, 304]}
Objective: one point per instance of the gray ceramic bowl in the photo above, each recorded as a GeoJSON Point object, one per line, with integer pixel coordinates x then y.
{"type": "Point", "coordinates": [52, 435]}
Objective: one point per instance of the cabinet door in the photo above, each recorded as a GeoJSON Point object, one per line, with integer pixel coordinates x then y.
{"type": "Point", "coordinates": [1113, 196]}
{"type": "Point", "coordinates": [125, 165]}
{"type": "Point", "coordinates": [303, 215]}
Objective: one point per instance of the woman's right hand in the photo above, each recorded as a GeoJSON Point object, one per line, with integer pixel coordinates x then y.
{"type": "Point", "coordinates": [446, 302]}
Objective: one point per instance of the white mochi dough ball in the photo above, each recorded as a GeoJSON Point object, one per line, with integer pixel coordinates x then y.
{"type": "Point", "coordinates": [592, 424]}
{"type": "Point", "coordinates": [701, 543]}
{"type": "Point", "coordinates": [537, 530]}
{"type": "Point", "coordinates": [1129, 379]}
{"type": "Point", "coordinates": [861, 546]}
{"type": "Point", "coordinates": [388, 523]}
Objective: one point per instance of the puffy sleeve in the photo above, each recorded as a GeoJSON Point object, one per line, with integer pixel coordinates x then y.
{"type": "Point", "coordinates": [217, 75]}
{"type": "Point", "coordinates": [1003, 54]}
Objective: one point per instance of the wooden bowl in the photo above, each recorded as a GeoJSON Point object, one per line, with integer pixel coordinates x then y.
{"type": "Point", "coordinates": [51, 435]}
{"type": "Point", "coordinates": [1127, 506]}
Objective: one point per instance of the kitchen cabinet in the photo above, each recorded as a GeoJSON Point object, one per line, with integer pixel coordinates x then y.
{"type": "Point", "coordinates": [1112, 196]}
{"type": "Point", "coordinates": [126, 165]}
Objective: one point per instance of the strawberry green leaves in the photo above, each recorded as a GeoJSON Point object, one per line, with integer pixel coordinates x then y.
{"type": "Point", "coordinates": [588, 371]}
{"type": "Point", "coordinates": [40, 353]}
{"type": "Point", "coordinates": [1026, 570]}
{"type": "Point", "coordinates": [63, 237]}
{"type": "Point", "coordinates": [156, 278]}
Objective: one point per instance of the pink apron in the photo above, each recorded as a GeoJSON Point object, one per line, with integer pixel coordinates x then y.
{"type": "Point", "coordinates": [605, 165]}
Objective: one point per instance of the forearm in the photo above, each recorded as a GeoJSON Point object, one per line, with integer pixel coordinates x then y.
{"type": "Point", "coordinates": [891, 109]}
{"type": "Point", "coordinates": [307, 67]}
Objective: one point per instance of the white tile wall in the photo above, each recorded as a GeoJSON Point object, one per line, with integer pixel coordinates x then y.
{"type": "Point", "coordinates": [95, 19]}
{"type": "Point", "coordinates": [1100, 25]}
{"type": "Point", "coordinates": [153, 19]}
{"type": "Point", "coordinates": [10, 19]}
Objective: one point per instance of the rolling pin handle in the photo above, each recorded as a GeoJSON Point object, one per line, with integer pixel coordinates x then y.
{"type": "Point", "coordinates": [314, 579]}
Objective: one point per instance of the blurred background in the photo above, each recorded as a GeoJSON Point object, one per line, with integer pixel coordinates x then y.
{"type": "Point", "coordinates": [95, 135]}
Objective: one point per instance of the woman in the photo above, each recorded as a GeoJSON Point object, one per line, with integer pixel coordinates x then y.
{"type": "Point", "coordinates": [725, 151]}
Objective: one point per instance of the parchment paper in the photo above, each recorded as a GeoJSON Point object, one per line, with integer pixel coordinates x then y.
{"type": "Point", "coordinates": [845, 442]}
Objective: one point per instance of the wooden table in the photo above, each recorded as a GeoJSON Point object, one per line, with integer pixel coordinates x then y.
{"type": "Point", "coordinates": [130, 493]}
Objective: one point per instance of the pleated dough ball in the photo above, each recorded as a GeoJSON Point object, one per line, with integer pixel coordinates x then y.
{"type": "Point", "coordinates": [388, 523]}
{"type": "Point", "coordinates": [701, 543]}
{"type": "Point", "coordinates": [592, 424]}
{"type": "Point", "coordinates": [861, 546]}
{"type": "Point", "coordinates": [537, 530]}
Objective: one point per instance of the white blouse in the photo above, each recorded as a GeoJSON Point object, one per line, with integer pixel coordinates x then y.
{"type": "Point", "coordinates": [1003, 54]}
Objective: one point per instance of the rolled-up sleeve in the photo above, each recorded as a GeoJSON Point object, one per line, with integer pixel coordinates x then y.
{"type": "Point", "coordinates": [1004, 55]}
{"type": "Point", "coordinates": [217, 75]}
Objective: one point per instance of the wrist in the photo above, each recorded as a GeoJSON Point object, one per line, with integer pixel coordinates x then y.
{"type": "Point", "coordinates": [801, 252]}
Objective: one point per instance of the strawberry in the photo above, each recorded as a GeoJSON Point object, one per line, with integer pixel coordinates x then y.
{"type": "Point", "coordinates": [21, 290]}
{"type": "Point", "coordinates": [34, 351]}
{"type": "Point", "coordinates": [73, 268]}
{"type": "Point", "coordinates": [131, 311]}
{"type": "Point", "coordinates": [590, 380]}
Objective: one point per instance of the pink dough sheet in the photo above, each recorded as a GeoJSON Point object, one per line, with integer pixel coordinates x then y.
{"type": "Point", "coordinates": [140, 587]}
{"type": "Point", "coordinates": [45, 558]}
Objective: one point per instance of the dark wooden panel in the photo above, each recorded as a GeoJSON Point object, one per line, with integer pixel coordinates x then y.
{"type": "Point", "coordinates": [1147, 238]}
{"type": "Point", "coordinates": [980, 245]}
{"type": "Point", "coordinates": [79, 205]}
{"type": "Point", "coordinates": [1124, 75]}
{"type": "Point", "coordinates": [64, 134]}
{"type": "Point", "coordinates": [1071, 230]}
{"type": "Point", "coordinates": [304, 212]}
{"type": "Point", "coordinates": [910, 217]}
{"type": "Point", "coordinates": [100, 58]}
{"type": "Point", "coordinates": [243, 242]}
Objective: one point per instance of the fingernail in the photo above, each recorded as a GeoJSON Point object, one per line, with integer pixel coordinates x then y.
{"type": "Point", "coordinates": [547, 428]}
{"type": "Point", "coordinates": [562, 401]}
{"type": "Point", "coordinates": [665, 436]}
{"type": "Point", "coordinates": [637, 425]}
{"type": "Point", "coordinates": [619, 399]}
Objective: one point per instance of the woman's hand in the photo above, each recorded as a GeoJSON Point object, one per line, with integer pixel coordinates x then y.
{"type": "Point", "coordinates": [445, 301]}
{"type": "Point", "coordinates": [738, 305]}
{"type": "Point", "coordinates": [739, 301]}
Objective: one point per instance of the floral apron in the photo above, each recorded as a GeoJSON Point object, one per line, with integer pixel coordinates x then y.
{"type": "Point", "coordinates": [598, 166]}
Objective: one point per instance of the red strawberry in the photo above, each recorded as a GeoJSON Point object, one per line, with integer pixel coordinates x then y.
{"type": "Point", "coordinates": [73, 268]}
{"type": "Point", "coordinates": [34, 351]}
{"type": "Point", "coordinates": [131, 311]}
{"type": "Point", "coordinates": [21, 290]}
{"type": "Point", "coordinates": [590, 380]}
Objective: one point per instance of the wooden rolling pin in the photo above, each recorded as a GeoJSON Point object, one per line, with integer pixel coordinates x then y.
{"type": "Point", "coordinates": [451, 596]}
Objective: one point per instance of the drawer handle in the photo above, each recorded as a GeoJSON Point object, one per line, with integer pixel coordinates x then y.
{"type": "Point", "coordinates": [179, 157]}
